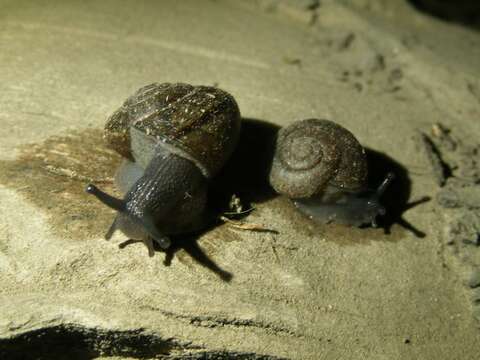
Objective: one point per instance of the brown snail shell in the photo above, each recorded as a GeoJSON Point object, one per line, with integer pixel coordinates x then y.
{"type": "Point", "coordinates": [313, 154]}
{"type": "Point", "coordinates": [200, 122]}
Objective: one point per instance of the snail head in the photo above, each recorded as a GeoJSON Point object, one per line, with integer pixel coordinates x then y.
{"type": "Point", "coordinates": [136, 226]}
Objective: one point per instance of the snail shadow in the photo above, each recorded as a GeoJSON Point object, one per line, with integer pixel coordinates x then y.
{"type": "Point", "coordinates": [188, 243]}
{"type": "Point", "coordinates": [396, 198]}
{"type": "Point", "coordinates": [463, 12]}
{"type": "Point", "coordinates": [246, 173]}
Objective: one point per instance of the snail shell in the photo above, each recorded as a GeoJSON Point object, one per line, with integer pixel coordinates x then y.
{"type": "Point", "coordinates": [313, 154]}
{"type": "Point", "coordinates": [201, 123]}
{"type": "Point", "coordinates": [323, 167]}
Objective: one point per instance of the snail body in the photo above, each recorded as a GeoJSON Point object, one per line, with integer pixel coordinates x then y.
{"type": "Point", "coordinates": [174, 138]}
{"type": "Point", "coordinates": [322, 167]}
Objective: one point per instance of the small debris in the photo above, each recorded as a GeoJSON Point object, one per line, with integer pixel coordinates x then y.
{"type": "Point", "coordinates": [357, 86]}
{"type": "Point", "coordinates": [395, 75]}
{"type": "Point", "coordinates": [474, 90]}
{"type": "Point", "coordinates": [476, 313]}
{"type": "Point", "coordinates": [457, 195]}
{"type": "Point", "coordinates": [378, 63]}
{"type": "Point", "coordinates": [476, 296]}
{"type": "Point", "coordinates": [474, 280]}
{"type": "Point", "coordinates": [230, 213]}
{"type": "Point", "coordinates": [235, 205]}
{"type": "Point", "coordinates": [292, 61]}
{"type": "Point", "coordinates": [440, 169]}
{"type": "Point", "coordinates": [441, 133]}
{"type": "Point", "coordinates": [304, 11]}
{"type": "Point", "coordinates": [72, 174]}
{"type": "Point", "coordinates": [274, 250]}
{"type": "Point", "coordinates": [463, 231]}
{"type": "Point", "coordinates": [245, 226]}
{"type": "Point", "coordinates": [346, 42]}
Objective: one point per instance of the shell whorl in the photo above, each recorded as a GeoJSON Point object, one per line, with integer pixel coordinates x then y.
{"type": "Point", "coordinates": [313, 154]}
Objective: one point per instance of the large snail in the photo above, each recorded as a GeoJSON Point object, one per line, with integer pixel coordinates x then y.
{"type": "Point", "coordinates": [174, 137]}
{"type": "Point", "coordinates": [323, 168]}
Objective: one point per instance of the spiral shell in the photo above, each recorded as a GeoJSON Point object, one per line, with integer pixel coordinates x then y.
{"type": "Point", "coordinates": [200, 123]}
{"type": "Point", "coordinates": [314, 154]}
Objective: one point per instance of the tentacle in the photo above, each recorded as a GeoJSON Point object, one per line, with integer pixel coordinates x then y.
{"type": "Point", "coordinates": [112, 229]}
{"type": "Point", "coordinates": [108, 200]}
{"type": "Point", "coordinates": [149, 244]}
{"type": "Point", "coordinates": [384, 185]}
{"type": "Point", "coordinates": [150, 227]}
{"type": "Point", "coordinates": [374, 201]}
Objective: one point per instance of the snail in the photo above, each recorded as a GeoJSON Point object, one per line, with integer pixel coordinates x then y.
{"type": "Point", "coordinates": [174, 138]}
{"type": "Point", "coordinates": [323, 168]}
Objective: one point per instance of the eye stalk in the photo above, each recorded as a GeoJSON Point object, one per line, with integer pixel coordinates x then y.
{"type": "Point", "coordinates": [374, 202]}
{"type": "Point", "coordinates": [110, 201]}
{"type": "Point", "coordinates": [384, 185]}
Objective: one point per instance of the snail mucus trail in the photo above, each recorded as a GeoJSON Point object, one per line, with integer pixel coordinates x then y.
{"type": "Point", "coordinates": [322, 167]}
{"type": "Point", "coordinates": [174, 138]}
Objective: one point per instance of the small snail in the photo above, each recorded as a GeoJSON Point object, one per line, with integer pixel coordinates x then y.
{"type": "Point", "coordinates": [323, 168]}
{"type": "Point", "coordinates": [174, 137]}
